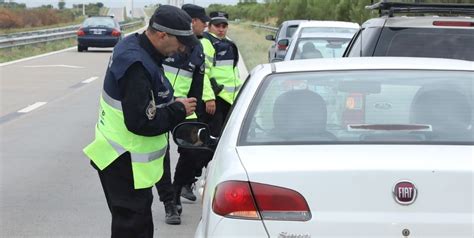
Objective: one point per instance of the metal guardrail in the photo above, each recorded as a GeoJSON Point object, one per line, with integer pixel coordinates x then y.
{"type": "Point", "coordinates": [270, 28]}
{"type": "Point", "coordinates": [34, 37]}
{"type": "Point", "coordinates": [39, 32]}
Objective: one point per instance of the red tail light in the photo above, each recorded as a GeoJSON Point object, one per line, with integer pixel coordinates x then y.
{"type": "Point", "coordinates": [234, 199]}
{"type": "Point", "coordinates": [282, 47]}
{"type": "Point", "coordinates": [116, 33]}
{"type": "Point", "coordinates": [454, 23]}
{"type": "Point", "coordinates": [239, 199]}
{"type": "Point", "coordinates": [80, 32]}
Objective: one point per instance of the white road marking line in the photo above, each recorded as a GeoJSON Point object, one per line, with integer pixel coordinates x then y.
{"type": "Point", "coordinates": [37, 56]}
{"type": "Point", "coordinates": [90, 79]}
{"type": "Point", "coordinates": [53, 65]}
{"type": "Point", "coordinates": [32, 107]}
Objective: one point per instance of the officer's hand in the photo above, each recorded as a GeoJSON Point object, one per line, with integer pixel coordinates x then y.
{"type": "Point", "coordinates": [211, 107]}
{"type": "Point", "coordinates": [189, 104]}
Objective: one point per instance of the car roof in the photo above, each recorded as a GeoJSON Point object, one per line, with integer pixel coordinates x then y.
{"type": "Point", "coordinates": [361, 63]}
{"type": "Point", "coordinates": [415, 21]}
{"type": "Point", "coordinates": [325, 35]}
{"type": "Point", "coordinates": [342, 24]}
{"type": "Point", "coordinates": [292, 22]}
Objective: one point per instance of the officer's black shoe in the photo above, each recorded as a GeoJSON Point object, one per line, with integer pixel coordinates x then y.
{"type": "Point", "coordinates": [172, 216]}
{"type": "Point", "coordinates": [187, 192]}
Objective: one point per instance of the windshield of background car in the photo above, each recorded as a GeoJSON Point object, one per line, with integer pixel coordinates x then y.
{"type": "Point", "coordinates": [310, 48]}
{"type": "Point", "coordinates": [362, 107]}
{"type": "Point", "coordinates": [426, 42]}
{"type": "Point", "coordinates": [99, 22]}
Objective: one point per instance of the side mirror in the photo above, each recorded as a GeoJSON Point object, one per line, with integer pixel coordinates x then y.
{"type": "Point", "coordinates": [194, 135]}
{"type": "Point", "coordinates": [270, 37]}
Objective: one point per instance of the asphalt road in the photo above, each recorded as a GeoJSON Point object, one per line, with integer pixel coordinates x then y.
{"type": "Point", "coordinates": [48, 109]}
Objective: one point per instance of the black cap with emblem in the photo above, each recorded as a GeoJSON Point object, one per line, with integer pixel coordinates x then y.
{"type": "Point", "coordinates": [218, 17]}
{"type": "Point", "coordinates": [174, 21]}
{"type": "Point", "coordinates": [196, 11]}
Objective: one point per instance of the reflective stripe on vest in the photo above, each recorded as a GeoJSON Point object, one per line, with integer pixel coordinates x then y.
{"type": "Point", "coordinates": [232, 89]}
{"type": "Point", "coordinates": [175, 71]}
{"type": "Point", "coordinates": [139, 157]}
{"type": "Point", "coordinates": [224, 63]}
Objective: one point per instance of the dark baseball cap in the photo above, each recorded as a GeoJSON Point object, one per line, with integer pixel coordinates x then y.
{"type": "Point", "coordinates": [218, 17]}
{"type": "Point", "coordinates": [195, 11]}
{"type": "Point", "coordinates": [174, 21]}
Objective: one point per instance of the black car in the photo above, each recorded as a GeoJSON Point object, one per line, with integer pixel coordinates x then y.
{"type": "Point", "coordinates": [98, 31]}
{"type": "Point", "coordinates": [423, 30]}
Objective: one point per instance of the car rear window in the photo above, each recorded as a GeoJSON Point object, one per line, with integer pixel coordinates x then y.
{"type": "Point", "coordinates": [362, 107]}
{"type": "Point", "coordinates": [426, 42]}
{"type": "Point", "coordinates": [311, 48]}
{"type": "Point", "coordinates": [99, 22]}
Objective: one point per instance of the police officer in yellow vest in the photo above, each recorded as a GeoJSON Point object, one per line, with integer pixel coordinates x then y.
{"type": "Point", "coordinates": [186, 74]}
{"type": "Point", "coordinates": [222, 57]}
{"type": "Point", "coordinates": [137, 111]}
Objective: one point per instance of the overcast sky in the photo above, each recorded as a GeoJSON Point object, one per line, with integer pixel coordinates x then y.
{"type": "Point", "coordinates": [119, 3]}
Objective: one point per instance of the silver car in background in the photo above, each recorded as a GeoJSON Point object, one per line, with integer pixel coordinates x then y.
{"type": "Point", "coordinates": [346, 147]}
{"type": "Point", "coordinates": [320, 39]}
{"type": "Point", "coordinates": [285, 31]}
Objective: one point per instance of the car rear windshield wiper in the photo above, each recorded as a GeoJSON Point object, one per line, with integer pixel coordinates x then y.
{"type": "Point", "coordinates": [389, 127]}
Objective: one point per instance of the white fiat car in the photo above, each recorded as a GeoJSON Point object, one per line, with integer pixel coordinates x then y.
{"type": "Point", "coordinates": [348, 147]}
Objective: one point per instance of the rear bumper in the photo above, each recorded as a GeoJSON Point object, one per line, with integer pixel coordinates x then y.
{"type": "Point", "coordinates": [102, 41]}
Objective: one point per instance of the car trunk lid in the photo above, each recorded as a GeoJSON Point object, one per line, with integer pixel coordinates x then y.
{"type": "Point", "coordinates": [349, 188]}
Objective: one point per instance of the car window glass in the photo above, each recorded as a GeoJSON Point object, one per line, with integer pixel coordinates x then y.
{"type": "Point", "coordinates": [320, 48]}
{"type": "Point", "coordinates": [365, 40]}
{"type": "Point", "coordinates": [99, 22]}
{"type": "Point", "coordinates": [432, 42]}
{"type": "Point", "coordinates": [291, 30]}
{"type": "Point", "coordinates": [360, 107]}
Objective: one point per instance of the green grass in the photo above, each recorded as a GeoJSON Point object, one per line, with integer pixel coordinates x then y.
{"type": "Point", "coordinates": [251, 43]}
{"type": "Point", "coordinates": [78, 21]}
{"type": "Point", "coordinates": [14, 53]}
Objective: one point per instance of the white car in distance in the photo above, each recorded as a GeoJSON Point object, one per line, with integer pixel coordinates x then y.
{"type": "Point", "coordinates": [320, 39]}
{"type": "Point", "coordinates": [347, 147]}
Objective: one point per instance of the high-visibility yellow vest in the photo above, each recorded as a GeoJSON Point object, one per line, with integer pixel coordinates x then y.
{"type": "Point", "coordinates": [221, 64]}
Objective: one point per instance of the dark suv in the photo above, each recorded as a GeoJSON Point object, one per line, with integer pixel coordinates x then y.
{"type": "Point", "coordinates": [439, 36]}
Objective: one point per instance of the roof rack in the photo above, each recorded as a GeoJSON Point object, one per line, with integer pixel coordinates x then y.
{"type": "Point", "coordinates": [388, 8]}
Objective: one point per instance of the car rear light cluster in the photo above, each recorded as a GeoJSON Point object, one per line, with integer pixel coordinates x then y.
{"type": "Point", "coordinates": [244, 200]}
{"type": "Point", "coordinates": [281, 47]}
{"type": "Point", "coordinates": [80, 32]}
{"type": "Point", "coordinates": [116, 32]}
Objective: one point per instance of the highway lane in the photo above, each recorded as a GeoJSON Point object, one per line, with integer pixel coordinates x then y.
{"type": "Point", "coordinates": [47, 187]}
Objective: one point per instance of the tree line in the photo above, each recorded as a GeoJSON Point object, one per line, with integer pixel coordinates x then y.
{"type": "Point", "coordinates": [277, 11]}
